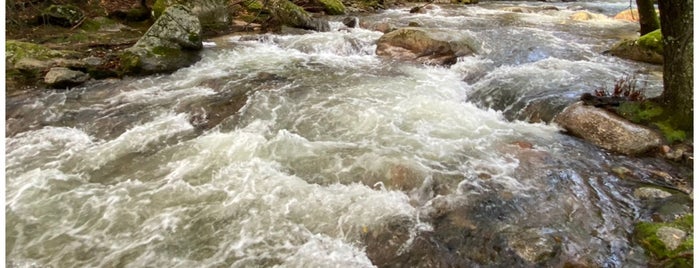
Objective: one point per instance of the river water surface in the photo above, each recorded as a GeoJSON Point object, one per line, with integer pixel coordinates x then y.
{"type": "Point", "coordinates": [310, 151]}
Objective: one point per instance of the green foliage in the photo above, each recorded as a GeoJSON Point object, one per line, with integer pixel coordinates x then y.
{"type": "Point", "coordinates": [653, 41]}
{"type": "Point", "coordinates": [645, 234]}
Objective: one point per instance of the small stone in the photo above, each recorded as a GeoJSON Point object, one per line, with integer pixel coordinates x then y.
{"type": "Point", "coordinates": [60, 77]}
{"type": "Point", "coordinates": [671, 237]}
{"type": "Point", "coordinates": [650, 193]}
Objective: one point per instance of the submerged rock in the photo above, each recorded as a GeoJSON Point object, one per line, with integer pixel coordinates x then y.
{"type": "Point", "coordinates": [650, 193]}
{"type": "Point", "coordinates": [171, 43]}
{"type": "Point", "coordinates": [584, 16]}
{"type": "Point", "coordinates": [423, 46]}
{"type": "Point", "coordinates": [607, 130]}
{"type": "Point", "coordinates": [60, 77]}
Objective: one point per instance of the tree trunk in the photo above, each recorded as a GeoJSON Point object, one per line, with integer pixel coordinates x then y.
{"type": "Point", "coordinates": [647, 16]}
{"type": "Point", "coordinates": [678, 38]}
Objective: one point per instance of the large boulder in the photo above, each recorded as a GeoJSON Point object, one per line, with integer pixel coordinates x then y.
{"type": "Point", "coordinates": [647, 48]}
{"type": "Point", "coordinates": [423, 46]}
{"type": "Point", "coordinates": [62, 15]}
{"type": "Point", "coordinates": [289, 14]}
{"type": "Point", "coordinates": [173, 42]}
{"type": "Point", "coordinates": [607, 130]}
{"type": "Point", "coordinates": [214, 15]}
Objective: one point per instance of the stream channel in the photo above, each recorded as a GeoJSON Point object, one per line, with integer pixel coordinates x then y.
{"type": "Point", "coordinates": [311, 151]}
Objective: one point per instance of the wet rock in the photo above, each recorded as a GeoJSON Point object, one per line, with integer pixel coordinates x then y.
{"type": "Point", "coordinates": [133, 10]}
{"type": "Point", "coordinates": [418, 10]}
{"type": "Point", "coordinates": [629, 15]}
{"type": "Point", "coordinates": [517, 9]}
{"type": "Point", "coordinates": [467, 2]}
{"type": "Point", "coordinates": [62, 15]}
{"type": "Point", "coordinates": [171, 43]}
{"type": "Point", "coordinates": [647, 48]}
{"type": "Point", "coordinates": [671, 237]}
{"type": "Point", "coordinates": [423, 46]}
{"type": "Point", "coordinates": [60, 77]}
{"type": "Point", "coordinates": [351, 22]}
{"type": "Point", "coordinates": [585, 16]}
{"type": "Point", "coordinates": [384, 27]}
{"type": "Point", "coordinates": [288, 13]}
{"type": "Point", "coordinates": [668, 244]}
{"type": "Point", "coordinates": [607, 130]}
{"type": "Point", "coordinates": [650, 193]}
{"type": "Point", "coordinates": [533, 245]}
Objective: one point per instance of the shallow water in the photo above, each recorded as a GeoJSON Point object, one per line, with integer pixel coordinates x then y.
{"type": "Point", "coordinates": [310, 151]}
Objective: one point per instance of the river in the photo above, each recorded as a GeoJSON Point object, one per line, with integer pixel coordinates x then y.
{"type": "Point", "coordinates": [311, 151]}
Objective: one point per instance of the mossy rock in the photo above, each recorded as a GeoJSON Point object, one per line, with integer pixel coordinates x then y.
{"type": "Point", "coordinates": [332, 7]}
{"type": "Point", "coordinates": [17, 50]}
{"type": "Point", "coordinates": [647, 235]}
{"type": "Point", "coordinates": [647, 48]}
{"type": "Point", "coordinates": [62, 15]}
{"type": "Point", "coordinates": [652, 41]}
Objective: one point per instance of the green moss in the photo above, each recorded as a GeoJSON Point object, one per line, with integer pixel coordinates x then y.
{"type": "Point", "coordinates": [670, 133]}
{"type": "Point", "coordinates": [159, 7]}
{"type": "Point", "coordinates": [333, 7]}
{"type": "Point", "coordinates": [645, 234]}
{"type": "Point", "coordinates": [639, 112]}
{"type": "Point", "coordinates": [194, 38]}
{"type": "Point", "coordinates": [130, 62]}
{"type": "Point", "coordinates": [650, 113]}
{"type": "Point", "coordinates": [163, 51]}
{"type": "Point", "coordinates": [653, 41]}
{"type": "Point", "coordinates": [16, 50]}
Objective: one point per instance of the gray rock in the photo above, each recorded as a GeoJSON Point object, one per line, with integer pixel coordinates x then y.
{"type": "Point", "coordinates": [351, 22]}
{"type": "Point", "coordinates": [61, 77]}
{"type": "Point", "coordinates": [31, 64]}
{"type": "Point", "coordinates": [288, 13]}
{"type": "Point", "coordinates": [671, 237]}
{"type": "Point", "coordinates": [423, 46]}
{"type": "Point", "coordinates": [607, 130]}
{"type": "Point", "coordinates": [650, 193]}
{"type": "Point", "coordinates": [213, 14]}
{"type": "Point", "coordinates": [533, 245]}
{"type": "Point", "coordinates": [171, 43]}
{"type": "Point", "coordinates": [62, 15]}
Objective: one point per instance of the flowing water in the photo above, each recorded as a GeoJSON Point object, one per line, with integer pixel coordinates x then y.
{"type": "Point", "coordinates": [310, 151]}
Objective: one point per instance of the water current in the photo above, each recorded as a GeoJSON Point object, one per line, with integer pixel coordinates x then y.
{"type": "Point", "coordinates": [311, 151]}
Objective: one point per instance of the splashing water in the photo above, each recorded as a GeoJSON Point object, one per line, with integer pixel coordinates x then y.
{"type": "Point", "coordinates": [309, 151]}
